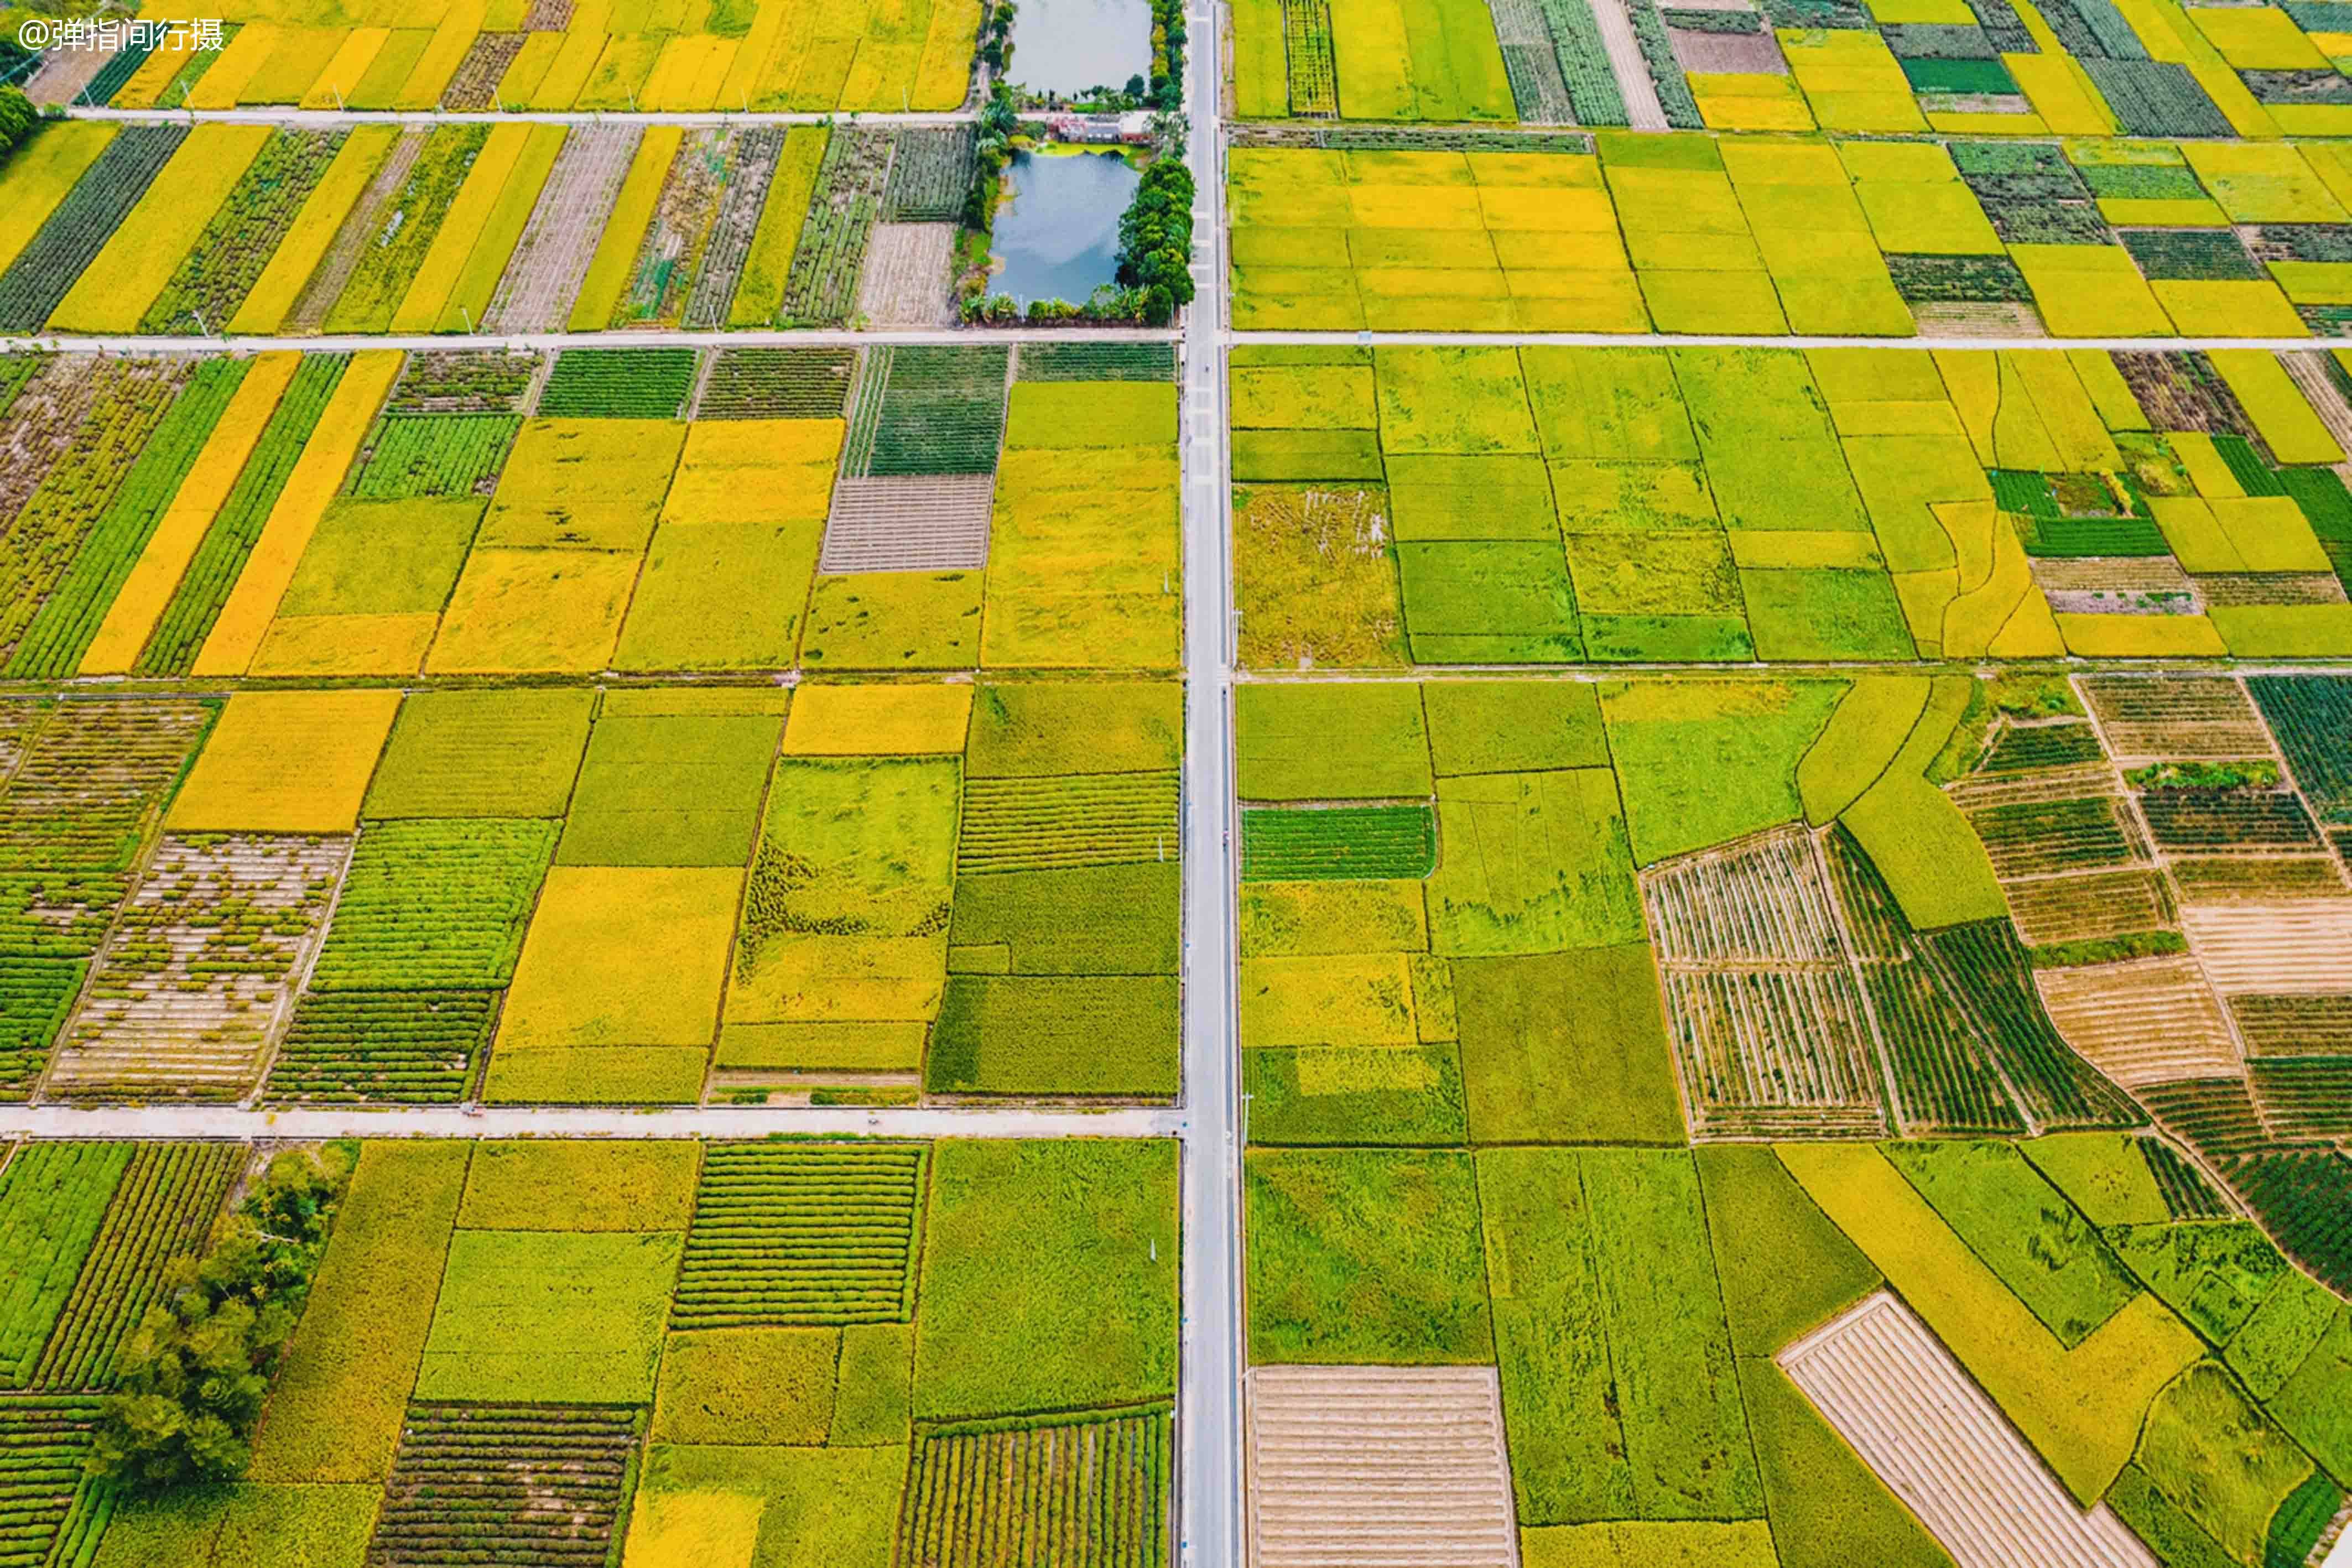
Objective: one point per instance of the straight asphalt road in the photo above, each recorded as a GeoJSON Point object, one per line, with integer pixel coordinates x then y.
{"type": "Point", "coordinates": [1209, 1405]}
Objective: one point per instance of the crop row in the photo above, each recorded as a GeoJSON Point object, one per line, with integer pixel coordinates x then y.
{"type": "Point", "coordinates": [1377, 842]}
{"type": "Point", "coordinates": [2209, 820]}
{"type": "Point", "coordinates": [1075, 819]}
{"type": "Point", "coordinates": [162, 1209]}
{"type": "Point", "coordinates": [619, 384]}
{"type": "Point", "coordinates": [779, 383]}
{"type": "Point", "coordinates": [1096, 362]}
{"type": "Point", "coordinates": [220, 557]}
{"type": "Point", "coordinates": [1310, 75]}
{"type": "Point", "coordinates": [414, 456]}
{"type": "Point", "coordinates": [2024, 747]}
{"type": "Point", "coordinates": [942, 412]}
{"type": "Point", "coordinates": [1091, 1491]}
{"type": "Point", "coordinates": [432, 905]}
{"type": "Point", "coordinates": [230, 256]}
{"type": "Point", "coordinates": [669, 256]}
{"type": "Point", "coordinates": [2304, 1198]}
{"type": "Point", "coordinates": [821, 287]}
{"type": "Point", "coordinates": [69, 616]}
{"type": "Point", "coordinates": [80, 227]}
{"type": "Point", "coordinates": [504, 1483]}
{"type": "Point", "coordinates": [36, 995]}
{"type": "Point", "coordinates": [813, 1234]}
{"type": "Point", "coordinates": [411, 1046]}
{"type": "Point", "coordinates": [751, 170]}
{"type": "Point", "coordinates": [388, 264]}
{"type": "Point", "coordinates": [1984, 965]}
{"type": "Point", "coordinates": [463, 381]}
{"type": "Point", "coordinates": [43, 1442]}
{"type": "Point", "coordinates": [39, 546]}
{"type": "Point", "coordinates": [189, 990]}
{"type": "Point", "coordinates": [2311, 716]}
{"type": "Point", "coordinates": [53, 1199]}
{"type": "Point", "coordinates": [930, 174]}
{"type": "Point", "coordinates": [92, 780]}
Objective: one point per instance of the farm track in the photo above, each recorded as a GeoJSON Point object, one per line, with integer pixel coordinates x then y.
{"type": "Point", "coordinates": [280, 114]}
{"type": "Point", "coordinates": [490, 1122]}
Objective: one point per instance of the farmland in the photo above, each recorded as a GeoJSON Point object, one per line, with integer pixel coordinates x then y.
{"type": "Point", "coordinates": [469, 227]}
{"type": "Point", "coordinates": [563, 514]}
{"type": "Point", "coordinates": [2072, 68]}
{"type": "Point", "coordinates": [1633, 232]}
{"type": "Point", "coordinates": [1632, 505]}
{"type": "Point", "coordinates": [1771, 719]}
{"type": "Point", "coordinates": [1809, 995]}
{"type": "Point", "coordinates": [867, 58]}
{"type": "Point", "coordinates": [372, 1445]}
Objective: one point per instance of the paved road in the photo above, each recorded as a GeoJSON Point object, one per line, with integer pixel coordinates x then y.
{"type": "Point", "coordinates": [334, 119]}
{"type": "Point", "coordinates": [541, 342]}
{"type": "Point", "coordinates": [1698, 339]}
{"type": "Point", "coordinates": [1209, 1420]}
{"type": "Point", "coordinates": [559, 1122]}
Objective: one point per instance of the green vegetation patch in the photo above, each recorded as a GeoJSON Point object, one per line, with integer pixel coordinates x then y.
{"type": "Point", "coordinates": [802, 1233]}
{"type": "Point", "coordinates": [1376, 842]}
{"type": "Point", "coordinates": [1703, 762]}
{"type": "Point", "coordinates": [52, 1201]}
{"type": "Point", "coordinates": [482, 754]}
{"type": "Point", "coordinates": [1496, 602]}
{"type": "Point", "coordinates": [240, 1523]}
{"type": "Point", "coordinates": [1055, 1034]}
{"type": "Point", "coordinates": [550, 1316]}
{"type": "Point", "coordinates": [1358, 1095]}
{"type": "Point", "coordinates": [2217, 1458]}
{"type": "Point", "coordinates": [434, 904]}
{"type": "Point", "coordinates": [1825, 614]}
{"type": "Point", "coordinates": [1355, 741]}
{"type": "Point", "coordinates": [1364, 1255]}
{"type": "Point", "coordinates": [418, 1046]}
{"type": "Point", "coordinates": [1566, 1048]}
{"type": "Point", "coordinates": [2023, 1229]}
{"type": "Point", "coordinates": [410, 456]}
{"type": "Point", "coordinates": [670, 790]}
{"type": "Point", "coordinates": [1513, 726]}
{"type": "Point", "coordinates": [1049, 1277]}
{"type": "Point", "coordinates": [1030, 730]}
{"type": "Point", "coordinates": [1091, 920]}
{"type": "Point", "coordinates": [36, 997]}
{"type": "Point", "coordinates": [746, 1386]}
{"type": "Point", "coordinates": [619, 384]}
{"type": "Point", "coordinates": [2102, 1174]}
{"type": "Point", "coordinates": [1532, 862]}
{"type": "Point", "coordinates": [1785, 1268]}
{"type": "Point", "coordinates": [1620, 1405]}
{"type": "Point", "coordinates": [577, 1186]}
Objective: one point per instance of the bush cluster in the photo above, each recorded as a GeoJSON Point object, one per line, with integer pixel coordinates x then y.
{"type": "Point", "coordinates": [194, 1375]}
{"type": "Point", "coordinates": [1155, 238]}
{"type": "Point", "coordinates": [18, 117]}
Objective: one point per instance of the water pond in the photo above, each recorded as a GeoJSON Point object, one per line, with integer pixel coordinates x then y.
{"type": "Point", "coordinates": [1068, 45]}
{"type": "Point", "coordinates": [1057, 238]}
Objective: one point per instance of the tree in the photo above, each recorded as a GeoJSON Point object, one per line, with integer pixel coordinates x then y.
{"type": "Point", "coordinates": [18, 119]}
{"type": "Point", "coordinates": [195, 1373]}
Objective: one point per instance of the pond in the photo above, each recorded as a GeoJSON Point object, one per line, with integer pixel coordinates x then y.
{"type": "Point", "coordinates": [1057, 238]}
{"type": "Point", "coordinates": [1068, 45]}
